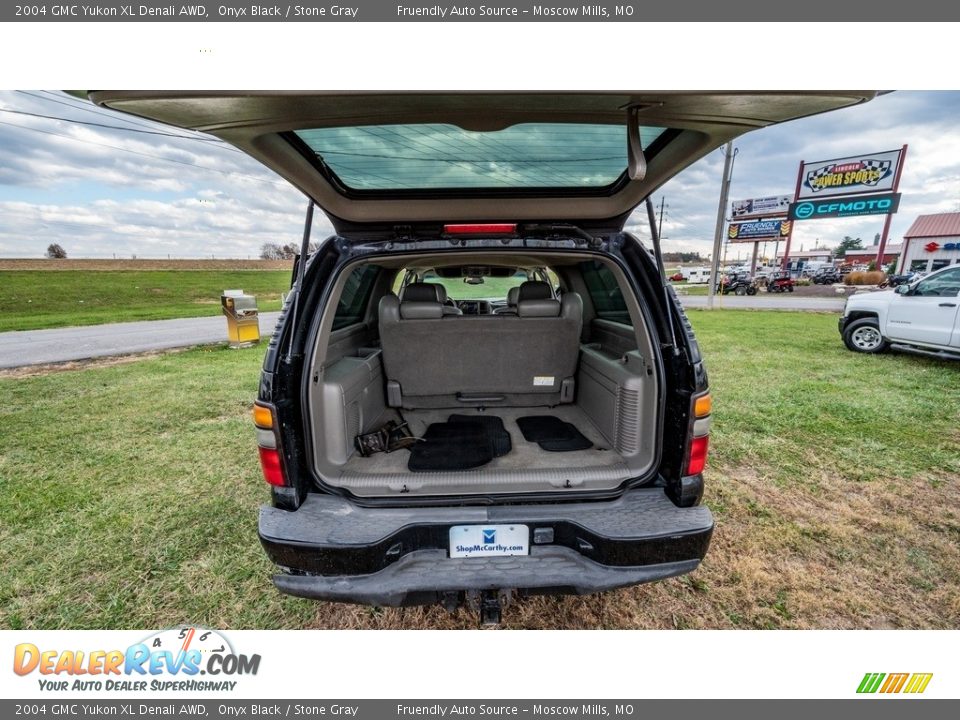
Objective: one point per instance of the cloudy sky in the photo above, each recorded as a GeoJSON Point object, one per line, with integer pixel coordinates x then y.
{"type": "Point", "coordinates": [150, 191]}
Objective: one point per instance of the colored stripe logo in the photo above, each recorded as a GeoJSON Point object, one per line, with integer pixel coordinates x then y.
{"type": "Point", "coordinates": [912, 683]}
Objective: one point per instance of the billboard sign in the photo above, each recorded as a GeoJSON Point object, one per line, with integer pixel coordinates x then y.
{"type": "Point", "coordinates": [854, 175]}
{"type": "Point", "coordinates": [774, 205]}
{"type": "Point", "coordinates": [834, 207]}
{"type": "Point", "coordinates": [758, 230]}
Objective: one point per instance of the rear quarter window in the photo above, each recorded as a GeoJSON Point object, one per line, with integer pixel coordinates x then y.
{"type": "Point", "coordinates": [605, 293]}
{"type": "Point", "coordinates": [355, 296]}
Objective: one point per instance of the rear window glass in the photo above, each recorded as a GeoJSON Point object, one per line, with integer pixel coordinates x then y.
{"type": "Point", "coordinates": [438, 156]}
{"type": "Point", "coordinates": [605, 293]}
{"type": "Point", "coordinates": [356, 293]}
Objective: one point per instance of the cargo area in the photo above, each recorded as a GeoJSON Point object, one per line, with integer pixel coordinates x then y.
{"type": "Point", "coordinates": [534, 392]}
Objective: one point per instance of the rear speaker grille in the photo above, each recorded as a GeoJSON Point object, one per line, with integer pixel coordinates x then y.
{"type": "Point", "coordinates": [628, 421]}
{"type": "Point", "coordinates": [353, 421]}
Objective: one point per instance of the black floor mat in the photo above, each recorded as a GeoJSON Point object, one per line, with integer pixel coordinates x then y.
{"type": "Point", "coordinates": [499, 437]}
{"type": "Point", "coordinates": [552, 434]}
{"type": "Point", "coordinates": [451, 446]}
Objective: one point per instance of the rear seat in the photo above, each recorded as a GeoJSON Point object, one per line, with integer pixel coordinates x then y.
{"type": "Point", "coordinates": [528, 359]}
{"type": "Point", "coordinates": [422, 292]}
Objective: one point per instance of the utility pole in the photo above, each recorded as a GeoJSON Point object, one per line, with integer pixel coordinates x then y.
{"type": "Point", "coordinates": [721, 215]}
{"type": "Point", "coordinates": [660, 220]}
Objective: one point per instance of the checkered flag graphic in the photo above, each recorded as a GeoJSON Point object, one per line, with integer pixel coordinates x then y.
{"type": "Point", "coordinates": [882, 165]}
{"type": "Point", "coordinates": [813, 175]}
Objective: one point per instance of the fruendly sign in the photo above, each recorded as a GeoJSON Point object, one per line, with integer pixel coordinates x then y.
{"type": "Point", "coordinates": [850, 175]}
{"type": "Point", "coordinates": [757, 230]}
{"type": "Point", "coordinates": [845, 207]}
{"type": "Point", "coordinates": [775, 205]}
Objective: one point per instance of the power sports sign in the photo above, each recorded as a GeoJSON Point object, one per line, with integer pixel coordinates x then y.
{"type": "Point", "coordinates": [882, 204]}
{"type": "Point", "coordinates": [855, 175]}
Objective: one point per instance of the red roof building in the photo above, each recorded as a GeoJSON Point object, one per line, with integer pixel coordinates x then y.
{"type": "Point", "coordinates": [932, 242]}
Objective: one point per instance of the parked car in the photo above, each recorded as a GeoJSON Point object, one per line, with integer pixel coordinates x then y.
{"type": "Point", "coordinates": [416, 455]}
{"type": "Point", "coordinates": [920, 318]}
{"type": "Point", "coordinates": [676, 277]}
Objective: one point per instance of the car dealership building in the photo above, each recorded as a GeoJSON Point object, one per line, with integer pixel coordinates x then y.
{"type": "Point", "coordinates": [932, 242]}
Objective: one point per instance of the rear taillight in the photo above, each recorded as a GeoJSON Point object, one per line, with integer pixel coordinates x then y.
{"type": "Point", "coordinates": [481, 229]}
{"type": "Point", "coordinates": [272, 469]}
{"type": "Point", "coordinates": [699, 441]}
{"type": "Point", "coordinates": [698, 455]}
{"type": "Point", "coordinates": [269, 445]}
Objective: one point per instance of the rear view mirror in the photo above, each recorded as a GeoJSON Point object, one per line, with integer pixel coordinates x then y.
{"type": "Point", "coordinates": [902, 289]}
{"type": "Point", "coordinates": [473, 280]}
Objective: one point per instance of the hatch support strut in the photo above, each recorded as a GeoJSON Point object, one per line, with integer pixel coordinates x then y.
{"type": "Point", "coordinates": [658, 254]}
{"type": "Point", "coordinates": [301, 261]}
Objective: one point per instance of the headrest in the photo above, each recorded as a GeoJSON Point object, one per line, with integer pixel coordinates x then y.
{"type": "Point", "coordinates": [571, 306]}
{"type": "Point", "coordinates": [424, 292]}
{"type": "Point", "coordinates": [538, 308]}
{"type": "Point", "coordinates": [534, 290]}
{"type": "Point", "coordinates": [513, 296]}
{"type": "Point", "coordinates": [389, 309]}
{"type": "Point", "coordinates": [421, 310]}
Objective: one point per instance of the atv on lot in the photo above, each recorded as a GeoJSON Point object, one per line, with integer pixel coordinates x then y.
{"type": "Point", "coordinates": [780, 282]}
{"type": "Point", "coordinates": [827, 276]}
{"type": "Point", "coordinates": [736, 283]}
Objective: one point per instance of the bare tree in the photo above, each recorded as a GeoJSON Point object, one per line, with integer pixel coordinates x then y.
{"type": "Point", "coordinates": [55, 251]}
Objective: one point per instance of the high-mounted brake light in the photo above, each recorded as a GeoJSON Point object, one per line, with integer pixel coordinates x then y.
{"type": "Point", "coordinates": [481, 229]}
{"type": "Point", "coordinates": [272, 468]}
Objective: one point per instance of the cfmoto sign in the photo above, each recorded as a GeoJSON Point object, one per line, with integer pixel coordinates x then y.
{"type": "Point", "coordinates": [845, 207]}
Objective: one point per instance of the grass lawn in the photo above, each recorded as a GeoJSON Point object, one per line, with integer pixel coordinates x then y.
{"type": "Point", "coordinates": [34, 299]}
{"type": "Point", "coordinates": [131, 492]}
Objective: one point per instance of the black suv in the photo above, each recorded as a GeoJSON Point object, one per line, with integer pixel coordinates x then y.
{"type": "Point", "coordinates": [480, 385]}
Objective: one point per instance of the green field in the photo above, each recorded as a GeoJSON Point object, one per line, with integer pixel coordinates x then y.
{"type": "Point", "coordinates": [131, 492]}
{"type": "Point", "coordinates": [35, 299]}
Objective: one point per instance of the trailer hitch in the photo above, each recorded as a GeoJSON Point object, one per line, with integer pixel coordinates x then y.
{"type": "Point", "coordinates": [489, 604]}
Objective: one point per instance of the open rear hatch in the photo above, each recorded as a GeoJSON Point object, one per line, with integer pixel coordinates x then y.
{"type": "Point", "coordinates": [371, 159]}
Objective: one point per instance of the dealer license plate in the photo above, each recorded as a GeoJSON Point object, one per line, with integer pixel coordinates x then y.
{"type": "Point", "coordinates": [468, 541]}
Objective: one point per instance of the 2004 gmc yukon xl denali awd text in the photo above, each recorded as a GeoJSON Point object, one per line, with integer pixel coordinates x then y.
{"type": "Point", "coordinates": [480, 385]}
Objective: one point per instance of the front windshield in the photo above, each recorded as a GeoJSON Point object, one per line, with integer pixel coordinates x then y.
{"type": "Point", "coordinates": [491, 289]}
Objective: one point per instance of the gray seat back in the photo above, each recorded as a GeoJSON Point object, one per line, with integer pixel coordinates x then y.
{"type": "Point", "coordinates": [436, 361]}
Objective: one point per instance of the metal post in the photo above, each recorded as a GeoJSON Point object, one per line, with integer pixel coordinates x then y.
{"type": "Point", "coordinates": [786, 248]}
{"type": "Point", "coordinates": [721, 215]}
{"type": "Point", "coordinates": [753, 260]}
{"type": "Point", "coordinates": [886, 222]}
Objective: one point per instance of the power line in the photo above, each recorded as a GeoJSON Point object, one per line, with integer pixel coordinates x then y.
{"type": "Point", "coordinates": [110, 127]}
{"type": "Point", "coordinates": [146, 155]}
{"type": "Point", "coordinates": [118, 117]}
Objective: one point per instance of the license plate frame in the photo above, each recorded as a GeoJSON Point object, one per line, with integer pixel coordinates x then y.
{"type": "Point", "coordinates": [498, 540]}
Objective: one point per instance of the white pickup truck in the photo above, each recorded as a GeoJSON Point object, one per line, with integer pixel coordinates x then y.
{"type": "Point", "coordinates": [919, 318]}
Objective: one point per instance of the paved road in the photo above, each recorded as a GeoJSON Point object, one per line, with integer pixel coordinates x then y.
{"type": "Point", "coordinates": [767, 302]}
{"type": "Point", "coordinates": [38, 347]}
